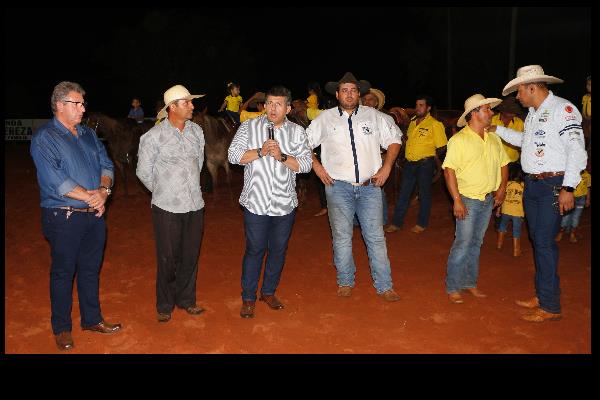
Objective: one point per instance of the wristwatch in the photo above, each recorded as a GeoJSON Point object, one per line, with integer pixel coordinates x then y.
{"type": "Point", "coordinates": [569, 189]}
{"type": "Point", "coordinates": [108, 191]}
{"type": "Point", "coordinates": [259, 151]}
{"type": "Point", "coordinates": [283, 157]}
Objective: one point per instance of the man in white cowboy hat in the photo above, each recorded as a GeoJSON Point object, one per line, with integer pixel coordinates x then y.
{"type": "Point", "coordinates": [552, 156]}
{"type": "Point", "coordinates": [170, 159]}
{"type": "Point", "coordinates": [426, 138]}
{"type": "Point", "coordinates": [350, 136]}
{"type": "Point", "coordinates": [476, 172]}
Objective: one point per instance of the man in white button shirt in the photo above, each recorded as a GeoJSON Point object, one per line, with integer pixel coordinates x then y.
{"type": "Point", "coordinates": [272, 150]}
{"type": "Point", "coordinates": [552, 156]}
{"type": "Point", "coordinates": [350, 136]}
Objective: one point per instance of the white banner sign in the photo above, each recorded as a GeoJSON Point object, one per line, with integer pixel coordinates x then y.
{"type": "Point", "coordinates": [21, 129]}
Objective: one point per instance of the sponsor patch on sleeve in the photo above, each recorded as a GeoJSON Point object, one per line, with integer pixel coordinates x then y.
{"type": "Point", "coordinates": [569, 109]}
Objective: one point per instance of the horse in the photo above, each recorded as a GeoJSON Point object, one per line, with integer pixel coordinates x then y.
{"type": "Point", "coordinates": [218, 133]}
{"type": "Point", "coordinates": [122, 137]}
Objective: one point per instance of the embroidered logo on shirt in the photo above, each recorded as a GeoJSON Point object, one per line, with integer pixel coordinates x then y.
{"type": "Point", "coordinates": [544, 116]}
{"type": "Point", "coordinates": [366, 130]}
{"type": "Point", "coordinates": [539, 152]}
{"type": "Point", "coordinates": [569, 109]}
{"type": "Point", "coordinates": [539, 133]}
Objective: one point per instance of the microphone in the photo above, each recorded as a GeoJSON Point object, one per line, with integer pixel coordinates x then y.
{"type": "Point", "coordinates": [271, 132]}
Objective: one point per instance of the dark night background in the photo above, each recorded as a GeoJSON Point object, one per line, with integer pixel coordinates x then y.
{"type": "Point", "coordinates": [119, 53]}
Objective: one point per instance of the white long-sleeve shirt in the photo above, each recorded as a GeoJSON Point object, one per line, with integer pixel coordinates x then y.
{"type": "Point", "coordinates": [552, 140]}
{"type": "Point", "coordinates": [350, 144]}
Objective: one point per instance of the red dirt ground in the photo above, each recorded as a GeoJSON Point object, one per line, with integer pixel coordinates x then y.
{"type": "Point", "coordinates": [314, 320]}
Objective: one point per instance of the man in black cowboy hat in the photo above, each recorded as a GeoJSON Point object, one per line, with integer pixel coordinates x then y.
{"type": "Point", "coordinates": [353, 172]}
{"type": "Point", "coordinates": [509, 116]}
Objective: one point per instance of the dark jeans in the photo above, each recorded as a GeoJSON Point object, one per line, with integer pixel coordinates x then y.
{"type": "Point", "coordinates": [420, 173]}
{"type": "Point", "coordinates": [76, 247]}
{"type": "Point", "coordinates": [543, 219]}
{"type": "Point", "coordinates": [178, 239]}
{"type": "Point", "coordinates": [264, 233]}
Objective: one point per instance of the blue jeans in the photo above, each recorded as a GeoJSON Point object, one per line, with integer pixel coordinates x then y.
{"type": "Point", "coordinates": [516, 224]}
{"type": "Point", "coordinates": [571, 219]}
{"type": "Point", "coordinates": [264, 232]}
{"type": "Point", "coordinates": [76, 247]}
{"type": "Point", "coordinates": [420, 173]}
{"type": "Point", "coordinates": [343, 201]}
{"type": "Point", "coordinates": [543, 219]}
{"type": "Point", "coordinates": [463, 262]}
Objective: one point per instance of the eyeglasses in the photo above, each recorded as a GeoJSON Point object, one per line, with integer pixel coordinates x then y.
{"type": "Point", "coordinates": [84, 104]}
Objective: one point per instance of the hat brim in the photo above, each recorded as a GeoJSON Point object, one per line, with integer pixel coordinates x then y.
{"type": "Point", "coordinates": [380, 97]}
{"type": "Point", "coordinates": [514, 84]}
{"type": "Point", "coordinates": [163, 112]}
{"type": "Point", "coordinates": [492, 101]}
{"type": "Point", "coordinates": [363, 87]}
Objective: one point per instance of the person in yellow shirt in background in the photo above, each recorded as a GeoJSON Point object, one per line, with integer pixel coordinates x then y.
{"type": "Point", "coordinates": [508, 117]}
{"type": "Point", "coordinates": [476, 172]}
{"type": "Point", "coordinates": [582, 194]}
{"type": "Point", "coordinates": [586, 113]}
{"type": "Point", "coordinates": [232, 102]}
{"type": "Point", "coordinates": [426, 141]}
{"type": "Point", "coordinates": [314, 100]}
{"type": "Point", "coordinates": [256, 101]}
{"type": "Point", "coordinates": [512, 208]}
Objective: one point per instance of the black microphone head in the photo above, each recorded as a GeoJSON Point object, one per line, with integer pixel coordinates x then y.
{"type": "Point", "coordinates": [271, 130]}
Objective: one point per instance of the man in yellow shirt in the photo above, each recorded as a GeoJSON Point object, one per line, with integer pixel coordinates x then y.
{"type": "Point", "coordinates": [426, 139]}
{"type": "Point", "coordinates": [508, 117]}
{"type": "Point", "coordinates": [586, 113]}
{"type": "Point", "coordinates": [476, 172]}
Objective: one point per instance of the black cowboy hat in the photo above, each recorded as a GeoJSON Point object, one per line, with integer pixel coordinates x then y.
{"type": "Point", "coordinates": [510, 105]}
{"type": "Point", "coordinates": [363, 86]}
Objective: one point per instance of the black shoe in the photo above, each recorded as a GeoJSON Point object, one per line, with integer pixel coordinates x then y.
{"type": "Point", "coordinates": [103, 327]}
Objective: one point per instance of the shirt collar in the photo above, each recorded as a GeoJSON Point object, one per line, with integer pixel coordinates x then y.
{"type": "Point", "coordinates": [547, 101]}
{"type": "Point", "coordinates": [64, 130]}
{"type": "Point", "coordinates": [353, 112]}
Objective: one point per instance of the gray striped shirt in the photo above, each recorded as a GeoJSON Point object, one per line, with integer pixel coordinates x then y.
{"type": "Point", "coordinates": [169, 164]}
{"type": "Point", "coordinates": [270, 186]}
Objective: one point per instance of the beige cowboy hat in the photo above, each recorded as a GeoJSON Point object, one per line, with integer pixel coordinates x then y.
{"type": "Point", "coordinates": [529, 74]}
{"type": "Point", "coordinates": [260, 97]}
{"type": "Point", "coordinates": [177, 92]}
{"type": "Point", "coordinates": [363, 86]}
{"type": "Point", "coordinates": [380, 97]}
{"type": "Point", "coordinates": [473, 102]}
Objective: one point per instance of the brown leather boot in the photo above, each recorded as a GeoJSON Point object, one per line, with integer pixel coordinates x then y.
{"type": "Point", "coordinates": [558, 236]}
{"type": "Point", "coordinates": [500, 242]}
{"type": "Point", "coordinates": [516, 247]}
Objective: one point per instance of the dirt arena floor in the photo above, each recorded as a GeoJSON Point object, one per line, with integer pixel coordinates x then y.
{"type": "Point", "coordinates": [314, 320]}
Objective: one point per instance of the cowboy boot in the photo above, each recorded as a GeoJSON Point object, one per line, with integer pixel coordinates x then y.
{"type": "Point", "coordinates": [559, 235]}
{"type": "Point", "coordinates": [573, 236]}
{"type": "Point", "coordinates": [516, 247]}
{"type": "Point", "coordinates": [500, 242]}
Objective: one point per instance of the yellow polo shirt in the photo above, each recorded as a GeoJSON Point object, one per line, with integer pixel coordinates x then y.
{"type": "Point", "coordinates": [233, 103]}
{"type": "Point", "coordinates": [424, 138]}
{"type": "Point", "coordinates": [584, 184]}
{"type": "Point", "coordinates": [244, 115]}
{"type": "Point", "coordinates": [586, 110]}
{"type": "Point", "coordinates": [517, 124]}
{"type": "Point", "coordinates": [476, 162]}
{"type": "Point", "coordinates": [513, 202]}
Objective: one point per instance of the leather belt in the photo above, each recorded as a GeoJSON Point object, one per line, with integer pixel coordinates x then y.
{"type": "Point", "coordinates": [73, 209]}
{"type": "Point", "coordinates": [544, 175]}
{"type": "Point", "coordinates": [365, 183]}
{"type": "Point", "coordinates": [422, 160]}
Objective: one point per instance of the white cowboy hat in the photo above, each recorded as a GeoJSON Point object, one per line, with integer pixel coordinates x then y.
{"type": "Point", "coordinates": [380, 97]}
{"type": "Point", "coordinates": [177, 92]}
{"type": "Point", "coordinates": [529, 74]}
{"type": "Point", "coordinates": [473, 102]}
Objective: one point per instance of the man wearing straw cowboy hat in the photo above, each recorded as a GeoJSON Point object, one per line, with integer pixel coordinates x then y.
{"type": "Point", "coordinates": [476, 175]}
{"type": "Point", "coordinates": [353, 172]}
{"type": "Point", "coordinates": [552, 156]}
{"type": "Point", "coordinates": [170, 158]}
